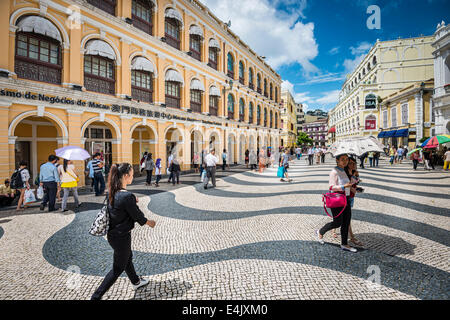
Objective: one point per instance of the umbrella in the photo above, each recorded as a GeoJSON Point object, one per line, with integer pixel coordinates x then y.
{"type": "Point", "coordinates": [412, 151]}
{"type": "Point", "coordinates": [72, 153]}
{"type": "Point", "coordinates": [433, 142]}
{"type": "Point", "coordinates": [356, 146]}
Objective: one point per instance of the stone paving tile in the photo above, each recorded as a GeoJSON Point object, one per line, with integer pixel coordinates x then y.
{"type": "Point", "coordinates": [252, 237]}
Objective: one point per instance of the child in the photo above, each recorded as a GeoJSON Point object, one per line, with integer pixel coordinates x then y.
{"type": "Point", "coordinates": [158, 171]}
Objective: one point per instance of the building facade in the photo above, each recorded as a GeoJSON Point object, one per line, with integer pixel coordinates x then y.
{"type": "Point", "coordinates": [288, 126]}
{"type": "Point", "coordinates": [406, 116]}
{"type": "Point", "coordinates": [300, 114]}
{"type": "Point", "coordinates": [318, 131]}
{"type": "Point", "coordinates": [441, 97]}
{"type": "Point", "coordinates": [387, 68]}
{"type": "Point", "coordinates": [122, 77]}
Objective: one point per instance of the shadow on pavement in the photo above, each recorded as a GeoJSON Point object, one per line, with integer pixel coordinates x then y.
{"type": "Point", "coordinates": [162, 290]}
{"type": "Point", "coordinates": [386, 244]}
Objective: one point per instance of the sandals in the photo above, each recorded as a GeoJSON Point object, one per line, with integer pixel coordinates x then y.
{"type": "Point", "coordinates": [356, 242]}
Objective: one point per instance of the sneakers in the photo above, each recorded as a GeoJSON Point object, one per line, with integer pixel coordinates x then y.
{"type": "Point", "coordinates": [142, 282]}
{"type": "Point", "coordinates": [319, 239]}
{"type": "Point", "coordinates": [350, 249]}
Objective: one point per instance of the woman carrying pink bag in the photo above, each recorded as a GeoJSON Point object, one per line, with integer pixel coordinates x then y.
{"type": "Point", "coordinates": [339, 183]}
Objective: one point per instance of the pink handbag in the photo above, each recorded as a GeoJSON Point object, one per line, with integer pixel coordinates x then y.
{"type": "Point", "coordinates": [334, 200]}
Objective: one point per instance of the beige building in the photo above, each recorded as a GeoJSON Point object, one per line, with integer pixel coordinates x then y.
{"type": "Point", "coordinates": [288, 124]}
{"type": "Point", "coordinates": [388, 67]}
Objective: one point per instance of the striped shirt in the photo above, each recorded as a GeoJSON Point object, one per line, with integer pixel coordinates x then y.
{"type": "Point", "coordinates": [95, 164]}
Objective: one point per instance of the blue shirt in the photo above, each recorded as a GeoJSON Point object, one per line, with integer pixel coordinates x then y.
{"type": "Point", "coordinates": [49, 173]}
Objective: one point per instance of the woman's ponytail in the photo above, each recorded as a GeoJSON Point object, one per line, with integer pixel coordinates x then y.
{"type": "Point", "coordinates": [115, 179]}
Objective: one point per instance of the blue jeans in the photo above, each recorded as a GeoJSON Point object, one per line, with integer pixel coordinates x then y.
{"type": "Point", "coordinates": [371, 162]}
{"type": "Point", "coordinates": [99, 179]}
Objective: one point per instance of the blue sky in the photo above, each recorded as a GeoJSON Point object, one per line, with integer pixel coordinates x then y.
{"type": "Point", "coordinates": [313, 44]}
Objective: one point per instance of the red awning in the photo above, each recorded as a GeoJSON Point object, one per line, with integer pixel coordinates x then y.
{"type": "Point", "coordinates": [332, 130]}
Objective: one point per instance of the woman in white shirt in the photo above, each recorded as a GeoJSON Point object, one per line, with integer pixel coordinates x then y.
{"type": "Point", "coordinates": [69, 182]}
{"type": "Point", "coordinates": [339, 182]}
{"type": "Point", "coordinates": [25, 176]}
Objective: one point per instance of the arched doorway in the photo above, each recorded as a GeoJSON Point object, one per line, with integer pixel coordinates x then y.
{"type": "Point", "coordinates": [37, 138]}
{"type": "Point", "coordinates": [214, 143]}
{"type": "Point", "coordinates": [143, 141]}
{"type": "Point", "coordinates": [99, 138]}
{"type": "Point", "coordinates": [174, 144]}
{"type": "Point", "coordinates": [196, 144]}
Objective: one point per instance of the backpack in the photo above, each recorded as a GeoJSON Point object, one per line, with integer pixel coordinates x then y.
{"type": "Point", "coordinates": [16, 179]}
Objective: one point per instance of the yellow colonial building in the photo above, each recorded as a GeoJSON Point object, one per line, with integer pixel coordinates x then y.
{"type": "Point", "coordinates": [121, 77]}
{"type": "Point", "coordinates": [387, 68]}
{"type": "Point", "coordinates": [406, 116]}
{"type": "Point", "coordinates": [288, 126]}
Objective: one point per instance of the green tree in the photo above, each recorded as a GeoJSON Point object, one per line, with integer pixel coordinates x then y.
{"type": "Point", "coordinates": [303, 139]}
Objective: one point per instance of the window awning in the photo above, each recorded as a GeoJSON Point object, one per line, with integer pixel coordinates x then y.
{"type": "Point", "coordinates": [382, 134]}
{"type": "Point", "coordinates": [101, 48]}
{"type": "Point", "coordinates": [39, 25]}
{"type": "Point", "coordinates": [174, 14]}
{"type": "Point", "coordinates": [389, 134]}
{"type": "Point", "coordinates": [401, 133]}
{"type": "Point", "coordinates": [197, 85]}
{"type": "Point", "coordinates": [214, 91]}
{"type": "Point", "coordinates": [141, 63]}
{"type": "Point", "coordinates": [196, 30]}
{"type": "Point", "coordinates": [213, 43]}
{"type": "Point", "coordinates": [173, 75]}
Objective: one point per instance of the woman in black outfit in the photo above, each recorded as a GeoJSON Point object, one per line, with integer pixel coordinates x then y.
{"type": "Point", "coordinates": [175, 169]}
{"type": "Point", "coordinates": [123, 213]}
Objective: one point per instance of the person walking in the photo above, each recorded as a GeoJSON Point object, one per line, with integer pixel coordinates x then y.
{"type": "Point", "coordinates": [69, 182]}
{"type": "Point", "coordinates": [317, 154]}
{"type": "Point", "coordinates": [49, 180]}
{"type": "Point", "coordinates": [158, 171]}
{"type": "Point", "coordinates": [211, 161]}
{"type": "Point", "coordinates": [252, 160]}
{"type": "Point", "coordinates": [21, 183]}
{"type": "Point", "coordinates": [58, 190]}
{"type": "Point", "coordinates": [196, 161]}
{"type": "Point", "coordinates": [415, 159]}
{"type": "Point", "coordinates": [123, 214]}
{"type": "Point", "coordinates": [311, 156]}
{"type": "Point", "coordinates": [446, 160]}
{"type": "Point", "coordinates": [376, 159]}
{"type": "Point", "coordinates": [175, 170]}
{"type": "Point", "coordinates": [169, 163]}
{"type": "Point", "coordinates": [340, 183]}
{"type": "Point", "coordinates": [90, 173]}
{"type": "Point", "coordinates": [224, 159]}
{"type": "Point", "coordinates": [285, 161]}
{"type": "Point", "coordinates": [149, 165]}
{"type": "Point", "coordinates": [247, 159]}
{"type": "Point", "coordinates": [427, 159]}
{"type": "Point", "coordinates": [392, 155]}
{"type": "Point", "coordinates": [324, 151]}
{"type": "Point", "coordinates": [99, 180]}
{"type": "Point", "coordinates": [142, 162]}
{"type": "Point", "coordinates": [261, 160]}
{"type": "Point", "coordinates": [400, 153]}
{"type": "Point", "coordinates": [371, 159]}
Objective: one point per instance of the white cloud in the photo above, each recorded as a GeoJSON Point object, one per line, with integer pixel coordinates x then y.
{"type": "Point", "coordinates": [324, 78]}
{"type": "Point", "coordinates": [269, 32]}
{"type": "Point", "coordinates": [334, 51]}
{"type": "Point", "coordinates": [329, 97]}
{"type": "Point", "coordinates": [359, 54]}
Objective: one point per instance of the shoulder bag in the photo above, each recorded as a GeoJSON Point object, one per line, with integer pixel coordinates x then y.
{"type": "Point", "coordinates": [334, 200]}
{"type": "Point", "coordinates": [100, 226]}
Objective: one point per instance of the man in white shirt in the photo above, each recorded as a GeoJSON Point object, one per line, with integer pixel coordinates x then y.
{"type": "Point", "coordinates": [169, 160]}
{"type": "Point", "coordinates": [310, 156]}
{"type": "Point", "coordinates": [211, 161]}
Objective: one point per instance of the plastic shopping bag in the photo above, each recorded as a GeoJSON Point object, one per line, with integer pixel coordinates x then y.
{"type": "Point", "coordinates": [203, 176]}
{"type": "Point", "coordinates": [40, 192]}
{"type": "Point", "coordinates": [29, 196]}
{"type": "Point", "coordinates": [280, 172]}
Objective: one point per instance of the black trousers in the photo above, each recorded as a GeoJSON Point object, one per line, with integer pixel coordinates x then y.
{"type": "Point", "coordinates": [343, 222]}
{"type": "Point", "coordinates": [158, 178]}
{"type": "Point", "coordinates": [5, 201]}
{"type": "Point", "coordinates": [123, 261]}
{"type": "Point", "coordinates": [149, 176]}
{"type": "Point", "coordinates": [50, 189]}
{"type": "Point", "coordinates": [311, 159]}
{"type": "Point", "coordinates": [99, 180]}
{"type": "Point", "coordinates": [224, 164]}
{"type": "Point", "coordinates": [175, 174]}
{"type": "Point", "coordinates": [415, 163]}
